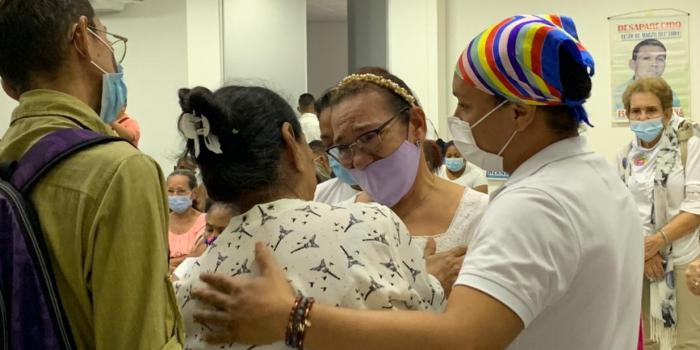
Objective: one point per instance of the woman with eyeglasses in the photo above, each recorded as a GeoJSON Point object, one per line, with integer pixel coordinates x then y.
{"type": "Point", "coordinates": [254, 157]}
{"type": "Point", "coordinates": [378, 130]}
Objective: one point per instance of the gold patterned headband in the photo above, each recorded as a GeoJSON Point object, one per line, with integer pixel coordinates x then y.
{"type": "Point", "coordinates": [380, 81]}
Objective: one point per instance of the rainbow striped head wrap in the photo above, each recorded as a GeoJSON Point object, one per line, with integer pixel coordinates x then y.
{"type": "Point", "coordinates": [518, 59]}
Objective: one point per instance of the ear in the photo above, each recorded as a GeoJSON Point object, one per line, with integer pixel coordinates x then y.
{"type": "Point", "coordinates": [10, 90]}
{"type": "Point", "coordinates": [293, 148]}
{"type": "Point", "coordinates": [524, 116]}
{"type": "Point", "coordinates": [633, 65]}
{"type": "Point", "coordinates": [81, 38]}
{"type": "Point", "coordinates": [418, 126]}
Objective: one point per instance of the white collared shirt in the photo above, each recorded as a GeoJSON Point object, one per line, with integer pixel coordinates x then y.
{"type": "Point", "coordinates": [310, 127]}
{"type": "Point", "coordinates": [560, 246]}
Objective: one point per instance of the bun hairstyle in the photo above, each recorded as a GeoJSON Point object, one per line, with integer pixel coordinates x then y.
{"type": "Point", "coordinates": [247, 121]}
{"type": "Point", "coordinates": [576, 85]}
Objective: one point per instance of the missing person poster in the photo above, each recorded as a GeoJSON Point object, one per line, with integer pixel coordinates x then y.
{"type": "Point", "coordinates": [650, 44]}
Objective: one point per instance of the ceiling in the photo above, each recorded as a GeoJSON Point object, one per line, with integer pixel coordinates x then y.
{"type": "Point", "coordinates": [326, 10]}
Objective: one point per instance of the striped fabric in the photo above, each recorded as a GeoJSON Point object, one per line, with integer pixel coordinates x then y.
{"type": "Point", "coordinates": [518, 59]}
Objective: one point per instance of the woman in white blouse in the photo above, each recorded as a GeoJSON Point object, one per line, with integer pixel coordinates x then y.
{"type": "Point", "coordinates": [252, 154]}
{"type": "Point", "coordinates": [378, 128]}
{"type": "Point", "coordinates": [458, 170]}
{"type": "Point", "coordinates": [661, 167]}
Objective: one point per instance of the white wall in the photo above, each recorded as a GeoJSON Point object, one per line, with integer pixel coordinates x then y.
{"type": "Point", "coordinates": [154, 69]}
{"type": "Point", "coordinates": [416, 53]}
{"type": "Point", "coordinates": [204, 41]}
{"type": "Point", "coordinates": [265, 43]}
{"type": "Point", "coordinates": [464, 21]}
{"type": "Point", "coordinates": [327, 54]}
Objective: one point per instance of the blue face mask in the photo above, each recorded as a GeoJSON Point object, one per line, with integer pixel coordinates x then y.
{"type": "Point", "coordinates": [454, 164]}
{"type": "Point", "coordinates": [113, 89]}
{"type": "Point", "coordinates": [113, 95]}
{"type": "Point", "coordinates": [179, 204]}
{"type": "Point", "coordinates": [341, 173]}
{"type": "Point", "coordinates": [647, 130]}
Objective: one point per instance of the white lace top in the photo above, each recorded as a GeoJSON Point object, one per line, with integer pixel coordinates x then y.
{"type": "Point", "coordinates": [466, 219]}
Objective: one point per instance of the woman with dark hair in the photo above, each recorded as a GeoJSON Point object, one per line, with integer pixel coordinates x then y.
{"type": "Point", "coordinates": [556, 261]}
{"type": "Point", "coordinates": [433, 155]}
{"type": "Point", "coordinates": [253, 156]}
{"type": "Point", "coordinates": [186, 222]}
{"type": "Point", "coordinates": [458, 170]}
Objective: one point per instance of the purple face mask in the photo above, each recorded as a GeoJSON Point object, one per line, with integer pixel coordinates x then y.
{"type": "Point", "coordinates": [388, 180]}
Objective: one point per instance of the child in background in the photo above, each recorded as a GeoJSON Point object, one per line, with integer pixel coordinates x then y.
{"type": "Point", "coordinates": [218, 216]}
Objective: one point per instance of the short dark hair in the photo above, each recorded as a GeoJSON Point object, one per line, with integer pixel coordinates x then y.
{"type": "Point", "coordinates": [433, 155]}
{"type": "Point", "coordinates": [191, 179]}
{"type": "Point", "coordinates": [324, 101]}
{"type": "Point", "coordinates": [212, 205]}
{"type": "Point", "coordinates": [306, 100]}
{"type": "Point", "coordinates": [317, 147]}
{"type": "Point", "coordinates": [646, 42]}
{"type": "Point", "coordinates": [33, 36]}
{"type": "Point", "coordinates": [576, 85]}
{"type": "Point", "coordinates": [248, 121]}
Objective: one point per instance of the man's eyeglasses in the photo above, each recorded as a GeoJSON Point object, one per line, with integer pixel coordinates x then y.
{"type": "Point", "coordinates": [369, 142]}
{"type": "Point", "coordinates": [116, 43]}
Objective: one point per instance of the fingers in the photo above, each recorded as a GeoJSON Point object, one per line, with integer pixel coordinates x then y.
{"type": "Point", "coordinates": [212, 297]}
{"type": "Point", "coordinates": [218, 281]}
{"type": "Point", "coordinates": [430, 247]}
{"type": "Point", "coordinates": [211, 317]}
{"type": "Point", "coordinates": [458, 251]}
{"type": "Point", "coordinates": [657, 270]}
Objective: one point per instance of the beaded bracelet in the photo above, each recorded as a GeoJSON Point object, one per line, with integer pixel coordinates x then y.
{"type": "Point", "coordinates": [290, 329]}
{"type": "Point", "coordinates": [298, 322]}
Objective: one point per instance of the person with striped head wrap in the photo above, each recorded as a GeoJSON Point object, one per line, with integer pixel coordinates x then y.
{"type": "Point", "coordinates": [556, 261]}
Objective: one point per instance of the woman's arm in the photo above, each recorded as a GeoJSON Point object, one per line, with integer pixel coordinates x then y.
{"type": "Point", "coordinates": [256, 311]}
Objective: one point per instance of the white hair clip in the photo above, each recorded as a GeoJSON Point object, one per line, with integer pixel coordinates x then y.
{"type": "Point", "coordinates": [192, 126]}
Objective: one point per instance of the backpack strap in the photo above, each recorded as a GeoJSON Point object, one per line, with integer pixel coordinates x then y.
{"type": "Point", "coordinates": [51, 150]}
{"type": "Point", "coordinates": [685, 132]}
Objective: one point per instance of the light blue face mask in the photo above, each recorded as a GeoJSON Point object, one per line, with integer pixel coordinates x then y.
{"type": "Point", "coordinates": [113, 90]}
{"type": "Point", "coordinates": [179, 204]}
{"type": "Point", "coordinates": [341, 173]}
{"type": "Point", "coordinates": [647, 130]}
{"type": "Point", "coordinates": [454, 164]}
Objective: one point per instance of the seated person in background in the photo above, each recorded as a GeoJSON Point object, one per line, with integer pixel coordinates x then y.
{"type": "Point", "coordinates": [459, 171]}
{"type": "Point", "coordinates": [355, 255]}
{"type": "Point", "coordinates": [218, 216]}
{"type": "Point", "coordinates": [308, 119]}
{"type": "Point", "coordinates": [433, 155]}
{"type": "Point", "coordinates": [323, 169]}
{"type": "Point", "coordinates": [186, 222]}
{"type": "Point", "coordinates": [127, 127]}
{"type": "Point", "coordinates": [342, 187]}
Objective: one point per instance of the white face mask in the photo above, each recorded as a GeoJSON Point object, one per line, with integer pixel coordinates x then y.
{"type": "Point", "coordinates": [466, 144]}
